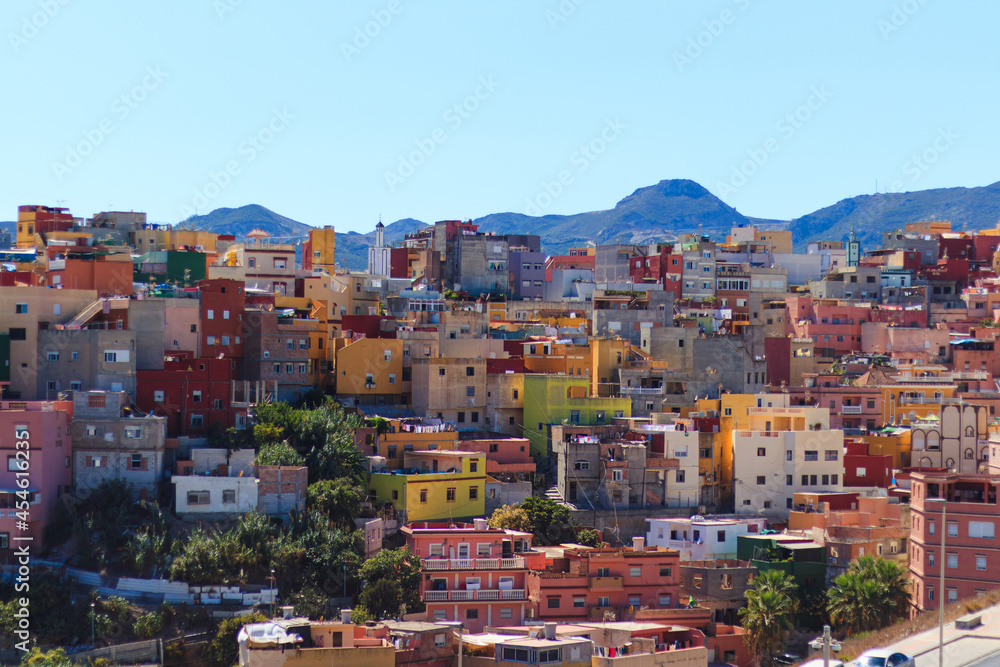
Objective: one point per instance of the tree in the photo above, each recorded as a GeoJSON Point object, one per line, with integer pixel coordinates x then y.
{"type": "Point", "coordinates": [278, 454]}
{"type": "Point", "coordinates": [872, 594]}
{"type": "Point", "coordinates": [397, 565]}
{"type": "Point", "coordinates": [324, 437]}
{"type": "Point", "coordinates": [339, 499]}
{"type": "Point", "coordinates": [383, 598]}
{"type": "Point", "coordinates": [510, 517]}
{"type": "Point", "coordinates": [589, 537]}
{"type": "Point", "coordinates": [769, 615]}
{"type": "Point", "coordinates": [550, 520]}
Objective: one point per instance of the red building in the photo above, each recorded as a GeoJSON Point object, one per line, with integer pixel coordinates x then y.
{"type": "Point", "coordinates": [90, 267]}
{"type": "Point", "coordinates": [223, 329]}
{"type": "Point", "coordinates": [864, 469]}
{"type": "Point", "coordinates": [193, 394]}
{"type": "Point", "coordinates": [568, 262]}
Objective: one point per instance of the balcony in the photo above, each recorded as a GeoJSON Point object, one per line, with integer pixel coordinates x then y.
{"type": "Point", "coordinates": [474, 564]}
{"type": "Point", "coordinates": [641, 391]}
{"type": "Point", "coordinates": [474, 595]}
{"type": "Point", "coordinates": [850, 410]}
{"type": "Point", "coordinates": [929, 400]}
{"type": "Point", "coordinates": [57, 264]}
{"type": "Point", "coordinates": [607, 583]}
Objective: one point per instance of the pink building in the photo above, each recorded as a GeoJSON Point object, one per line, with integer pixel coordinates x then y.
{"type": "Point", "coordinates": [473, 573]}
{"type": "Point", "coordinates": [503, 454]}
{"type": "Point", "coordinates": [970, 556]}
{"type": "Point", "coordinates": [44, 425]}
{"type": "Point", "coordinates": [585, 583]}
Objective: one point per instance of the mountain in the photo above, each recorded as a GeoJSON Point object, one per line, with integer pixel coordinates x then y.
{"type": "Point", "coordinates": [658, 212]}
{"type": "Point", "coordinates": [649, 214]}
{"type": "Point", "coordinates": [239, 221]}
{"type": "Point", "coordinates": [870, 215]}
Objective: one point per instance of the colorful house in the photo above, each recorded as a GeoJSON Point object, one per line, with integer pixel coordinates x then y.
{"type": "Point", "coordinates": [433, 486]}
{"type": "Point", "coordinates": [557, 399]}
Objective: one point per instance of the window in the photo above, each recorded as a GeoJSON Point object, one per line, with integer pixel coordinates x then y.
{"type": "Point", "coordinates": [18, 333]}
{"type": "Point", "coordinates": [52, 356]}
{"type": "Point", "coordinates": [473, 493]}
{"type": "Point", "coordinates": [514, 654]}
{"type": "Point", "coordinates": [574, 417]}
{"type": "Point", "coordinates": [460, 417]}
{"type": "Point", "coordinates": [289, 368]}
{"type": "Point", "coordinates": [811, 455]}
{"type": "Point", "coordinates": [440, 639]}
{"type": "Point", "coordinates": [981, 562]}
{"type": "Point", "coordinates": [20, 308]}
{"type": "Point", "coordinates": [197, 421]}
{"type": "Point", "coordinates": [451, 495]}
{"type": "Point", "coordinates": [761, 480]}
{"type": "Point", "coordinates": [110, 357]}
{"type": "Point", "coordinates": [196, 395]}
{"type": "Point", "coordinates": [762, 451]}
{"type": "Point", "coordinates": [440, 615]}
{"type": "Point", "coordinates": [135, 463]}
{"type": "Point", "coordinates": [581, 464]}
{"type": "Point", "coordinates": [831, 455]}
{"type": "Point", "coordinates": [603, 602]}
{"type": "Point", "coordinates": [952, 561]}
{"type": "Point", "coordinates": [553, 603]}
{"type": "Point", "coordinates": [441, 371]}
{"type": "Point", "coordinates": [953, 529]}
{"type": "Point", "coordinates": [198, 497]}
{"type": "Point", "coordinates": [977, 529]}
{"type": "Point", "coordinates": [134, 432]}
{"type": "Point", "coordinates": [472, 613]}
{"type": "Point", "coordinates": [635, 571]}
{"type": "Point", "coordinates": [228, 496]}
{"type": "Point", "coordinates": [423, 496]}
{"type": "Point", "coordinates": [616, 475]}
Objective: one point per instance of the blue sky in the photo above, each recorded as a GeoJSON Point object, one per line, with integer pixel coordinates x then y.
{"type": "Point", "coordinates": [336, 112]}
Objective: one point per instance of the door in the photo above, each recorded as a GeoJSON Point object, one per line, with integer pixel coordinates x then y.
{"type": "Point", "coordinates": [572, 492]}
{"type": "Point", "coordinates": [463, 551]}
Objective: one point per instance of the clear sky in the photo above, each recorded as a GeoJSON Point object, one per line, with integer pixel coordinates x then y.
{"type": "Point", "coordinates": [338, 112]}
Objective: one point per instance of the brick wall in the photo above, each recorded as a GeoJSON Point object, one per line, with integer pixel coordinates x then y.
{"type": "Point", "coordinates": [282, 489]}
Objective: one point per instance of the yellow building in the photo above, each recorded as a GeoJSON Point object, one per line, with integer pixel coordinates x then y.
{"type": "Point", "coordinates": [371, 367]}
{"type": "Point", "coordinates": [895, 444]}
{"type": "Point", "coordinates": [323, 246]}
{"type": "Point", "coordinates": [606, 357]}
{"type": "Point", "coordinates": [551, 356]}
{"type": "Point", "coordinates": [321, 352]}
{"type": "Point", "coordinates": [394, 445]}
{"type": "Point", "coordinates": [447, 486]}
{"type": "Point", "coordinates": [907, 401]}
{"type": "Point", "coordinates": [192, 238]}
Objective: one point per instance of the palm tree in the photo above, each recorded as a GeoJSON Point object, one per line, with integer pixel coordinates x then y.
{"type": "Point", "coordinates": [769, 614]}
{"type": "Point", "coordinates": [872, 594]}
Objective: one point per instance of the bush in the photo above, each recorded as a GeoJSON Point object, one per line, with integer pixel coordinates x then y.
{"type": "Point", "coordinates": [148, 625]}
{"type": "Point", "coordinates": [222, 650]}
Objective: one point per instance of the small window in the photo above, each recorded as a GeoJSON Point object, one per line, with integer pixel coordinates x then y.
{"type": "Point", "coordinates": [451, 495]}
{"type": "Point", "coordinates": [228, 496]}
{"type": "Point", "coordinates": [136, 462]}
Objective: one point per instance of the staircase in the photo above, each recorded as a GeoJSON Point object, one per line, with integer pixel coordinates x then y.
{"type": "Point", "coordinates": [552, 493]}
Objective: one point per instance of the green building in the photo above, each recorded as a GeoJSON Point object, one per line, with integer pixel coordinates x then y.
{"type": "Point", "coordinates": [557, 399]}
{"type": "Point", "coordinates": [180, 267]}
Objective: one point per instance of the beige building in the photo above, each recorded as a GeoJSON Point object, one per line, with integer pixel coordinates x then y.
{"type": "Point", "coordinates": [451, 389]}
{"type": "Point", "coordinates": [783, 451]}
{"type": "Point", "coordinates": [23, 312]}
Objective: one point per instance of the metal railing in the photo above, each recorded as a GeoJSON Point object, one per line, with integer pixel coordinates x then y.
{"type": "Point", "coordinates": [474, 595]}
{"type": "Point", "coordinates": [474, 564]}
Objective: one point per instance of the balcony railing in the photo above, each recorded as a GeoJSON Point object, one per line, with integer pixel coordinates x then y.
{"type": "Point", "coordinates": [474, 595]}
{"type": "Point", "coordinates": [850, 409]}
{"type": "Point", "coordinates": [606, 583]}
{"type": "Point", "coordinates": [474, 564]}
{"type": "Point", "coordinates": [929, 400]}
{"type": "Point", "coordinates": [641, 391]}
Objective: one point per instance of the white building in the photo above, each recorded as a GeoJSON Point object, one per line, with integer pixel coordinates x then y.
{"type": "Point", "coordinates": [378, 254]}
{"type": "Point", "coordinates": [786, 450]}
{"type": "Point", "coordinates": [698, 538]}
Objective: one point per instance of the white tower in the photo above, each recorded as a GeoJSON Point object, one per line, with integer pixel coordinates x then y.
{"type": "Point", "coordinates": [378, 254]}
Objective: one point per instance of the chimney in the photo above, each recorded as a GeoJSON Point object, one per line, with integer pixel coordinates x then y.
{"type": "Point", "coordinates": [638, 543]}
{"type": "Point", "coordinates": [480, 524]}
{"type": "Point", "coordinates": [288, 612]}
{"type": "Point", "coordinates": [345, 616]}
{"type": "Point", "coordinates": [550, 631]}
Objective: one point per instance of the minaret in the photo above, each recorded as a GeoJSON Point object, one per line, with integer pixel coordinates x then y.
{"type": "Point", "coordinates": [378, 254]}
{"type": "Point", "coordinates": [853, 250]}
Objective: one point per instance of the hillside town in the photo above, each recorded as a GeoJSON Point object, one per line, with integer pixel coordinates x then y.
{"type": "Point", "coordinates": [694, 452]}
